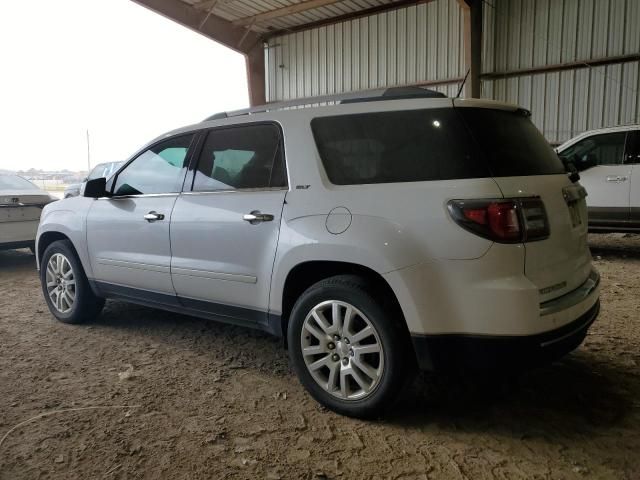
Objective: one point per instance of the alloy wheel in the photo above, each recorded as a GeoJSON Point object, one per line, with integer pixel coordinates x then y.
{"type": "Point", "coordinates": [342, 350]}
{"type": "Point", "coordinates": [61, 283]}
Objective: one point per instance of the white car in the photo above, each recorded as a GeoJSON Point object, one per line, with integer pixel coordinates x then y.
{"type": "Point", "coordinates": [377, 234]}
{"type": "Point", "coordinates": [21, 204]}
{"type": "Point", "coordinates": [608, 160]}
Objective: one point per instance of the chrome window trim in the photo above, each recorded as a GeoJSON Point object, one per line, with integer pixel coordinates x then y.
{"type": "Point", "coordinates": [142, 195]}
{"type": "Point", "coordinates": [238, 190]}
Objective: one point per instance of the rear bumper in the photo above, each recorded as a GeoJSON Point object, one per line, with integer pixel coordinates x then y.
{"type": "Point", "coordinates": [485, 352]}
{"type": "Point", "coordinates": [18, 232]}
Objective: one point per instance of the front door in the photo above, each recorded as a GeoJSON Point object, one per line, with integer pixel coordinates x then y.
{"type": "Point", "coordinates": [606, 177]}
{"type": "Point", "coordinates": [128, 233]}
{"type": "Point", "coordinates": [224, 232]}
{"type": "Point", "coordinates": [632, 157]}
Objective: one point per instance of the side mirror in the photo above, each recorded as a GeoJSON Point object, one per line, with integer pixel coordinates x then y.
{"type": "Point", "coordinates": [96, 188]}
{"type": "Point", "coordinates": [570, 168]}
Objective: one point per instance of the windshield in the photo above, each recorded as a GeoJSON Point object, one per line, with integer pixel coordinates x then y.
{"type": "Point", "coordinates": [14, 182]}
{"type": "Point", "coordinates": [104, 170]}
{"type": "Point", "coordinates": [511, 143]}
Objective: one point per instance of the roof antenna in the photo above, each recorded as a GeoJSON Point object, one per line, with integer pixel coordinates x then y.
{"type": "Point", "coordinates": [464, 80]}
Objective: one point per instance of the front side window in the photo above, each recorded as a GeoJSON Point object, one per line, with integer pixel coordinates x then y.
{"type": "Point", "coordinates": [159, 169]}
{"type": "Point", "coordinates": [241, 157]}
{"type": "Point", "coordinates": [604, 149]}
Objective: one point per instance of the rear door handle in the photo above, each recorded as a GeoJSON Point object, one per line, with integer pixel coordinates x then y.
{"type": "Point", "coordinates": [617, 178]}
{"type": "Point", "coordinates": [257, 217]}
{"type": "Point", "coordinates": [153, 216]}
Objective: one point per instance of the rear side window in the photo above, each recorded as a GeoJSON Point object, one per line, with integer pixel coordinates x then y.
{"type": "Point", "coordinates": [511, 143]}
{"type": "Point", "coordinates": [241, 157]}
{"type": "Point", "coordinates": [399, 146]}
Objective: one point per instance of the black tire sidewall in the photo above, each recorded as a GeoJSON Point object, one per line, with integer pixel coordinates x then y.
{"type": "Point", "coordinates": [394, 373]}
{"type": "Point", "coordinates": [85, 301]}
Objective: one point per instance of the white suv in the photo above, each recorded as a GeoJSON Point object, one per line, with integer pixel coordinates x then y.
{"type": "Point", "coordinates": [374, 235]}
{"type": "Point", "coordinates": [608, 160]}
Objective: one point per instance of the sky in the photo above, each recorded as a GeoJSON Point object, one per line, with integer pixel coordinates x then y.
{"type": "Point", "coordinates": [113, 67]}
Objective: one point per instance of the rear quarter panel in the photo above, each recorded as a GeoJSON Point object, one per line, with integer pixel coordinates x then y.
{"type": "Point", "coordinates": [391, 226]}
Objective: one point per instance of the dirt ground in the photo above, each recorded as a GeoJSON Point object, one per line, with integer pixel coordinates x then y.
{"type": "Point", "coordinates": [206, 400]}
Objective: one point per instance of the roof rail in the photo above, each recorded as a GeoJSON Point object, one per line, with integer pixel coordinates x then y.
{"type": "Point", "coordinates": [379, 94]}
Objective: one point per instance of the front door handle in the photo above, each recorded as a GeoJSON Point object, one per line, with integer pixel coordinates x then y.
{"type": "Point", "coordinates": [617, 178]}
{"type": "Point", "coordinates": [153, 216]}
{"type": "Point", "coordinates": [257, 217]}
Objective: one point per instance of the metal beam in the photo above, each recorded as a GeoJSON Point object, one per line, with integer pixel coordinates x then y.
{"type": "Point", "coordinates": [256, 76]}
{"type": "Point", "coordinates": [206, 4]}
{"type": "Point", "coordinates": [561, 67]}
{"type": "Point", "coordinates": [284, 11]}
{"type": "Point", "coordinates": [205, 23]}
{"type": "Point", "coordinates": [472, 12]}
{"type": "Point", "coordinates": [365, 12]}
{"type": "Point", "coordinates": [237, 38]}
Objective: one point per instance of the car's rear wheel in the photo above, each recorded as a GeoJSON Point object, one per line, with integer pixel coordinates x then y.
{"type": "Point", "coordinates": [65, 286]}
{"type": "Point", "coordinates": [348, 349]}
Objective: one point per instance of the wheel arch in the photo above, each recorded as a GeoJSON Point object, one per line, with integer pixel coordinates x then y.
{"type": "Point", "coordinates": [307, 273]}
{"type": "Point", "coordinates": [47, 238]}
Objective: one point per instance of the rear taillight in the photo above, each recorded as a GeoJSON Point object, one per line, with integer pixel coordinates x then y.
{"type": "Point", "coordinates": [513, 220]}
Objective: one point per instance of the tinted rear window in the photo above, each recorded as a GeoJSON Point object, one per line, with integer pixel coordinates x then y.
{"type": "Point", "coordinates": [434, 144]}
{"type": "Point", "coordinates": [511, 143]}
{"type": "Point", "coordinates": [399, 146]}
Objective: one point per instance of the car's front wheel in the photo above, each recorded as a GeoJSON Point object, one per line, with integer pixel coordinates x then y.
{"type": "Point", "coordinates": [65, 286]}
{"type": "Point", "coordinates": [348, 349]}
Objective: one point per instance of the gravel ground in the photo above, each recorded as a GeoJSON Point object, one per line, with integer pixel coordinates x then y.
{"type": "Point", "coordinates": [203, 400]}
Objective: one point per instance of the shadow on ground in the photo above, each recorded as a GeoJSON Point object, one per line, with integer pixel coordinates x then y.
{"type": "Point", "coordinates": [615, 246]}
{"type": "Point", "coordinates": [576, 395]}
{"type": "Point", "coordinates": [12, 260]}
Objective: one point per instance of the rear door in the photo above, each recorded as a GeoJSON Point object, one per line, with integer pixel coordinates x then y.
{"type": "Point", "coordinates": [224, 231]}
{"type": "Point", "coordinates": [128, 233]}
{"type": "Point", "coordinates": [605, 175]}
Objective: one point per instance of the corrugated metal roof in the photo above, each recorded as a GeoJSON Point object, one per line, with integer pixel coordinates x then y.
{"type": "Point", "coordinates": [244, 10]}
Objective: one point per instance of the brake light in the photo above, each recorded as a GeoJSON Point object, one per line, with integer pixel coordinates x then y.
{"type": "Point", "coordinates": [514, 220]}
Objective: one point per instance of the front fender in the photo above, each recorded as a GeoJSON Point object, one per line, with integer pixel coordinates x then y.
{"type": "Point", "coordinates": [70, 223]}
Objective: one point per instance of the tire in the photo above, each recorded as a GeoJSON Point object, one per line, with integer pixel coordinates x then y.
{"type": "Point", "coordinates": [78, 303]}
{"type": "Point", "coordinates": [337, 350]}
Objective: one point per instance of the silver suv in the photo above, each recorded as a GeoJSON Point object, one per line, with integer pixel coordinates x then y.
{"type": "Point", "coordinates": [374, 234]}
